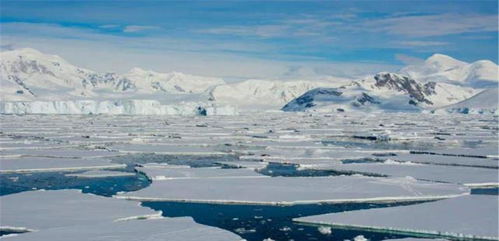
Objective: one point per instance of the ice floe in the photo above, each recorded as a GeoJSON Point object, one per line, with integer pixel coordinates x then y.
{"type": "Point", "coordinates": [71, 215]}
{"type": "Point", "coordinates": [472, 216]}
{"type": "Point", "coordinates": [294, 190]}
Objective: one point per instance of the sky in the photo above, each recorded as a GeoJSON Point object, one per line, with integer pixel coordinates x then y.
{"type": "Point", "coordinates": [252, 39]}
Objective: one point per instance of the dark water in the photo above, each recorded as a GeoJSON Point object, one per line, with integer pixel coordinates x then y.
{"type": "Point", "coordinates": [258, 222]}
{"type": "Point", "coordinates": [485, 191]}
{"type": "Point", "coordinates": [189, 160]}
{"type": "Point", "coordinates": [275, 169]}
{"type": "Point", "coordinates": [104, 186]}
{"type": "Point", "coordinates": [7, 232]}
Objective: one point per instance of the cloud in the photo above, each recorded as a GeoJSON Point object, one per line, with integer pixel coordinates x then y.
{"type": "Point", "coordinates": [408, 60]}
{"type": "Point", "coordinates": [139, 28]}
{"type": "Point", "coordinates": [302, 27]}
{"type": "Point", "coordinates": [109, 26]}
{"type": "Point", "coordinates": [9, 46]}
{"type": "Point", "coordinates": [421, 43]}
{"type": "Point", "coordinates": [262, 31]}
{"type": "Point", "coordinates": [228, 59]}
{"type": "Point", "coordinates": [433, 25]}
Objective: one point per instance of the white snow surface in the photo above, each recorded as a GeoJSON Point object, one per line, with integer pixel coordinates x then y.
{"type": "Point", "coordinates": [118, 107]}
{"type": "Point", "coordinates": [168, 172]}
{"type": "Point", "coordinates": [485, 102]}
{"type": "Point", "coordinates": [46, 164]}
{"type": "Point", "coordinates": [100, 173]}
{"type": "Point", "coordinates": [294, 190]}
{"type": "Point", "coordinates": [453, 174]}
{"type": "Point", "coordinates": [37, 83]}
{"type": "Point", "coordinates": [71, 215]}
{"type": "Point", "coordinates": [266, 94]}
{"type": "Point", "coordinates": [387, 92]}
{"type": "Point", "coordinates": [443, 68]}
{"type": "Point", "coordinates": [473, 216]}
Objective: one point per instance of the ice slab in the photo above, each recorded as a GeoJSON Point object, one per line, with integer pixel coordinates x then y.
{"type": "Point", "coordinates": [46, 164]}
{"type": "Point", "coordinates": [294, 190]}
{"type": "Point", "coordinates": [170, 172]}
{"type": "Point", "coordinates": [171, 229]}
{"type": "Point", "coordinates": [472, 216]}
{"type": "Point", "coordinates": [60, 152]}
{"type": "Point", "coordinates": [100, 173]}
{"type": "Point", "coordinates": [255, 165]}
{"type": "Point", "coordinates": [446, 160]}
{"type": "Point", "coordinates": [71, 215]}
{"type": "Point", "coordinates": [167, 149]}
{"type": "Point", "coordinates": [452, 174]}
{"type": "Point", "coordinates": [485, 151]}
{"type": "Point", "coordinates": [40, 210]}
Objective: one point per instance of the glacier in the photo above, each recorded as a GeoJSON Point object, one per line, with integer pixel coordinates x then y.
{"type": "Point", "coordinates": [120, 107]}
{"type": "Point", "coordinates": [38, 83]}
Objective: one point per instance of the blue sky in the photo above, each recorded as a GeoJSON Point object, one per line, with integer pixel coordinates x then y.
{"type": "Point", "coordinates": [253, 39]}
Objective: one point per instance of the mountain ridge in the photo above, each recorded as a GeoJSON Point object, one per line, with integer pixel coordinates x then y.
{"type": "Point", "coordinates": [30, 75]}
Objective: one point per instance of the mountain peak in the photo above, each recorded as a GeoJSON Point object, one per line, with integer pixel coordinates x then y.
{"type": "Point", "coordinates": [444, 62]}
{"type": "Point", "coordinates": [30, 54]}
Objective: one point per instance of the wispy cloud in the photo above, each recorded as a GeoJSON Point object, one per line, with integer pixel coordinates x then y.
{"type": "Point", "coordinates": [406, 59]}
{"type": "Point", "coordinates": [139, 28]}
{"type": "Point", "coordinates": [109, 26]}
{"type": "Point", "coordinates": [82, 46]}
{"type": "Point", "coordinates": [433, 25]}
{"type": "Point", "coordinates": [262, 31]}
{"type": "Point", "coordinates": [421, 43]}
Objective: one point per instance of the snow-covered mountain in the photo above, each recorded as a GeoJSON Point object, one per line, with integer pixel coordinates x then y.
{"type": "Point", "coordinates": [444, 69]}
{"type": "Point", "coordinates": [265, 93]}
{"type": "Point", "coordinates": [149, 81]}
{"type": "Point", "coordinates": [37, 83]}
{"type": "Point", "coordinates": [33, 82]}
{"type": "Point", "coordinates": [382, 92]}
{"type": "Point", "coordinates": [485, 102]}
{"type": "Point", "coordinates": [27, 74]}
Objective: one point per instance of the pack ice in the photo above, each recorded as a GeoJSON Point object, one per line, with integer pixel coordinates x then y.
{"type": "Point", "coordinates": [473, 217]}
{"type": "Point", "coordinates": [71, 215]}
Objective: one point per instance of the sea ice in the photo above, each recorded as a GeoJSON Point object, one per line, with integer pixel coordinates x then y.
{"type": "Point", "coordinates": [294, 190]}
{"type": "Point", "coordinates": [70, 215]}
{"type": "Point", "coordinates": [472, 216]}
{"type": "Point", "coordinates": [46, 164]}
{"type": "Point", "coordinates": [170, 172]}
{"type": "Point", "coordinates": [453, 174]}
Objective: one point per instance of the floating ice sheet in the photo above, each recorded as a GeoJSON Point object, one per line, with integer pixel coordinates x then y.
{"type": "Point", "coordinates": [46, 164]}
{"type": "Point", "coordinates": [60, 152]}
{"type": "Point", "coordinates": [453, 174]}
{"type": "Point", "coordinates": [473, 216]}
{"type": "Point", "coordinates": [167, 149]}
{"type": "Point", "coordinates": [100, 173]}
{"type": "Point", "coordinates": [71, 215]}
{"type": "Point", "coordinates": [170, 172]}
{"type": "Point", "coordinates": [446, 160]}
{"type": "Point", "coordinates": [294, 190]}
{"type": "Point", "coordinates": [255, 165]}
{"type": "Point", "coordinates": [40, 210]}
{"type": "Point", "coordinates": [171, 229]}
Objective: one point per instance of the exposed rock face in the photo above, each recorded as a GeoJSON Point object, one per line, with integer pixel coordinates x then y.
{"type": "Point", "coordinates": [384, 91]}
{"type": "Point", "coordinates": [405, 84]}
